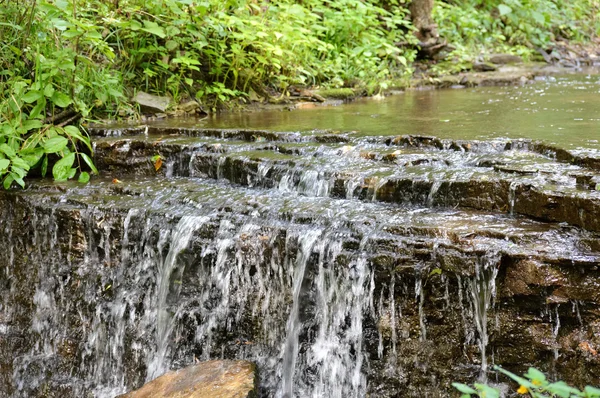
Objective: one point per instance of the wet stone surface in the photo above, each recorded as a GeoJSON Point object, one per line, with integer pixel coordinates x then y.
{"type": "Point", "coordinates": [343, 266]}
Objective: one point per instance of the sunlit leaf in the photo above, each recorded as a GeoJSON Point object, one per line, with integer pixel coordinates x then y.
{"type": "Point", "coordinates": [83, 177]}
{"type": "Point", "coordinates": [62, 168]}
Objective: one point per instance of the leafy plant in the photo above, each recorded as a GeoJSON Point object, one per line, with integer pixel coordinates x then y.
{"type": "Point", "coordinates": [533, 384]}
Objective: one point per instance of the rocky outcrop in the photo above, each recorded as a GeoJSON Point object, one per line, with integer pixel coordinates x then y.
{"type": "Point", "coordinates": [211, 379]}
{"type": "Point", "coordinates": [362, 266]}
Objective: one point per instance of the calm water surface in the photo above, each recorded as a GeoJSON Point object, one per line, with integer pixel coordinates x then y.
{"type": "Point", "coordinates": [560, 110]}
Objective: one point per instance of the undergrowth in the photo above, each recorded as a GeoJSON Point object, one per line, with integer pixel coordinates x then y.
{"type": "Point", "coordinates": [477, 28]}
{"type": "Point", "coordinates": [67, 61]}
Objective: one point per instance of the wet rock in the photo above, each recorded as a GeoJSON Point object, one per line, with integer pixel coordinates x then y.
{"type": "Point", "coordinates": [484, 67]}
{"type": "Point", "coordinates": [151, 103]}
{"type": "Point", "coordinates": [212, 379]}
{"type": "Point", "coordinates": [503, 59]}
{"type": "Point", "coordinates": [189, 106]}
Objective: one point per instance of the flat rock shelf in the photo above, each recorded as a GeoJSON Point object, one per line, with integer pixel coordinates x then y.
{"type": "Point", "coordinates": [342, 266]}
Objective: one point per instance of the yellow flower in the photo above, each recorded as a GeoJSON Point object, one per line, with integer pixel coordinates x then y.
{"type": "Point", "coordinates": [522, 390]}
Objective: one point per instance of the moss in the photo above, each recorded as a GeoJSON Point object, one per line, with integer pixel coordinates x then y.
{"type": "Point", "coordinates": [337, 93]}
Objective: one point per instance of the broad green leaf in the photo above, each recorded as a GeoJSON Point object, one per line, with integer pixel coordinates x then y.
{"type": "Point", "coordinates": [8, 151]}
{"type": "Point", "coordinates": [32, 96]}
{"type": "Point", "coordinates": [83, 177]}
{"type": "Point", "coordinates": [152, 27]}
{"type": "Point", "coordinates": [465, 389]}
{"type": "Point", "coordinates": [591, 392]}
{"type": "Point", "coordinates": [4, 165]}
{"type": "Point", "coordinates": [61, 99]}
{"type": "Point", "coordinates": [8, 180]}
{"type": "Point", "coordinates": [504, 9]}
{"type": "Point", "coordinates": [18, 179]}
{"type": "Point", "coordinates": [17, 172]}
{"type": "Point", "coordinates": [20, 163]}
{"type": "Point", "coordinates": [49, 90]}
{"type": "Point", "coordinates": [32, 124]}
{"type": "Point", "coordinates": [62, 168]}
{"type": "Point", "coordinates": [171, 45]}
{"type": "Point", "coordinates": [32, 155]}
{"type": "Point", "coordinates": [538, 17]}
{"type": "Point", "coordinates": [562, 389]}
{"type": "Point", "coordinates": [55, 144]}
{"type": "Point", "coordinates": [536, 377]}
{"type": "Point", "coordinates": [89, 162]}
{"type": "Point", "coordinates": [487, 391]}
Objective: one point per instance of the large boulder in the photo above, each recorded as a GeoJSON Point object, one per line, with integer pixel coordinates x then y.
{"type": "Point", "coordinates": [212, 379]}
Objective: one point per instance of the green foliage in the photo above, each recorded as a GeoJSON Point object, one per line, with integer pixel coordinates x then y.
{"type": "Point", "coordinates": [53, 63]}
{"type": "Point", "coordinates": [77, 57]}
{"type": "Point", "coordinates": [533, 384]}
{"type": "Point", "coordinates": [480, 27]}
{"type": "Point", "coordinates": [216, 51]}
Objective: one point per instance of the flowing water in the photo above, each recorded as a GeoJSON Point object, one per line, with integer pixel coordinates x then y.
{"type": "Point", "coordinates": [378, 248]}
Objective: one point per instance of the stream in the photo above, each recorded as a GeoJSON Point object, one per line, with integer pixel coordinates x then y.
{"type": "Point", "coordinates": [381, 248]}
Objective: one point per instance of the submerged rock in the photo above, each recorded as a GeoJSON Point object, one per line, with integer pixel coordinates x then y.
{"type": "Point", "coordinates": [211, 379]}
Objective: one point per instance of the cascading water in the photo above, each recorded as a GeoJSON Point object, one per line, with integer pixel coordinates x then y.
{"type": "Point", "coordinates": [181, 236]}
{"type": "Point", "coordinates": [483, 288]}
{"type": "Point", "coordinates": [322, 265]}
{"type": "Point", "coordinates": [294, 323]}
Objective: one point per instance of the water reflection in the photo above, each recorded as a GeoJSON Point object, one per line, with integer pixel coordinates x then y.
{"type": "Point", "coordinates": [562, 111]}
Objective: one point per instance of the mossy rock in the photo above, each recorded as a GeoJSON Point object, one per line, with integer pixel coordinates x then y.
{"type": "Point", "coordinates": [337, 93]}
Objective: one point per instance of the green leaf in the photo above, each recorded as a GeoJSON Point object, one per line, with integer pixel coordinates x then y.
{"type": "Point", "coordinates": [89, 162]}
{"type": "Point", "coordinates": [20, 163]}
{"type": "Point", "coordinates": [73, 131]}
{"type": "Point", "coordinates": [17, 172]}
{"type": "Point", "coordinates": [55, 144]}
{"type": "Point", "coordinates": [562, 389]}
{"type": "Point", "coordinates": [487, 391]}
{"type": "Point", "coordinates": [32, 96]}
{"type": "Point", "coordinates": [537, 377]}
{"type": "Point", "coordinates": [32, 124]}
{"type": "Point", "coordinates": [44, 168]}
{"type": "Point", "coordinates": [504, 9]}
{"type": "Point", "coordinates": [38, 108]}
{"type": "Point", "coordinates": [522, 381]}
{"type": "Point", "coordinates": [18, 178]}
{"type": "Point", "coordinates": [465, 389]}
{"type": "Point", "coordinates": [49, 90]}
{"type": "Point", "coordinates": [4, 163]}
{"type": "Point", "coordinates": [8, 151]}
{"type": "Point", "coordinates": [152, 27]}
{"type": "Point", "coordinates": [83, 177]}
{"type": "Point", "coordinates": [591, 392]}
{"type": "Point", "coordinates": [62, 168]}
{"type": "Point", "coordinates": [8, 180]}
{"type": "Point", "coordinates": [32, 156]}
{"type": "Point", "coordinates": [61, 99]}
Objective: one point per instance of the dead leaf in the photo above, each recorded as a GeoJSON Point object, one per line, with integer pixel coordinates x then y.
{"type": "Point", "coordinates": [158, 163]}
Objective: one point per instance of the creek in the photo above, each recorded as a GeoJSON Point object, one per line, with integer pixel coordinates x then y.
{"type": "Point", "coordinates": [377, 248]}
